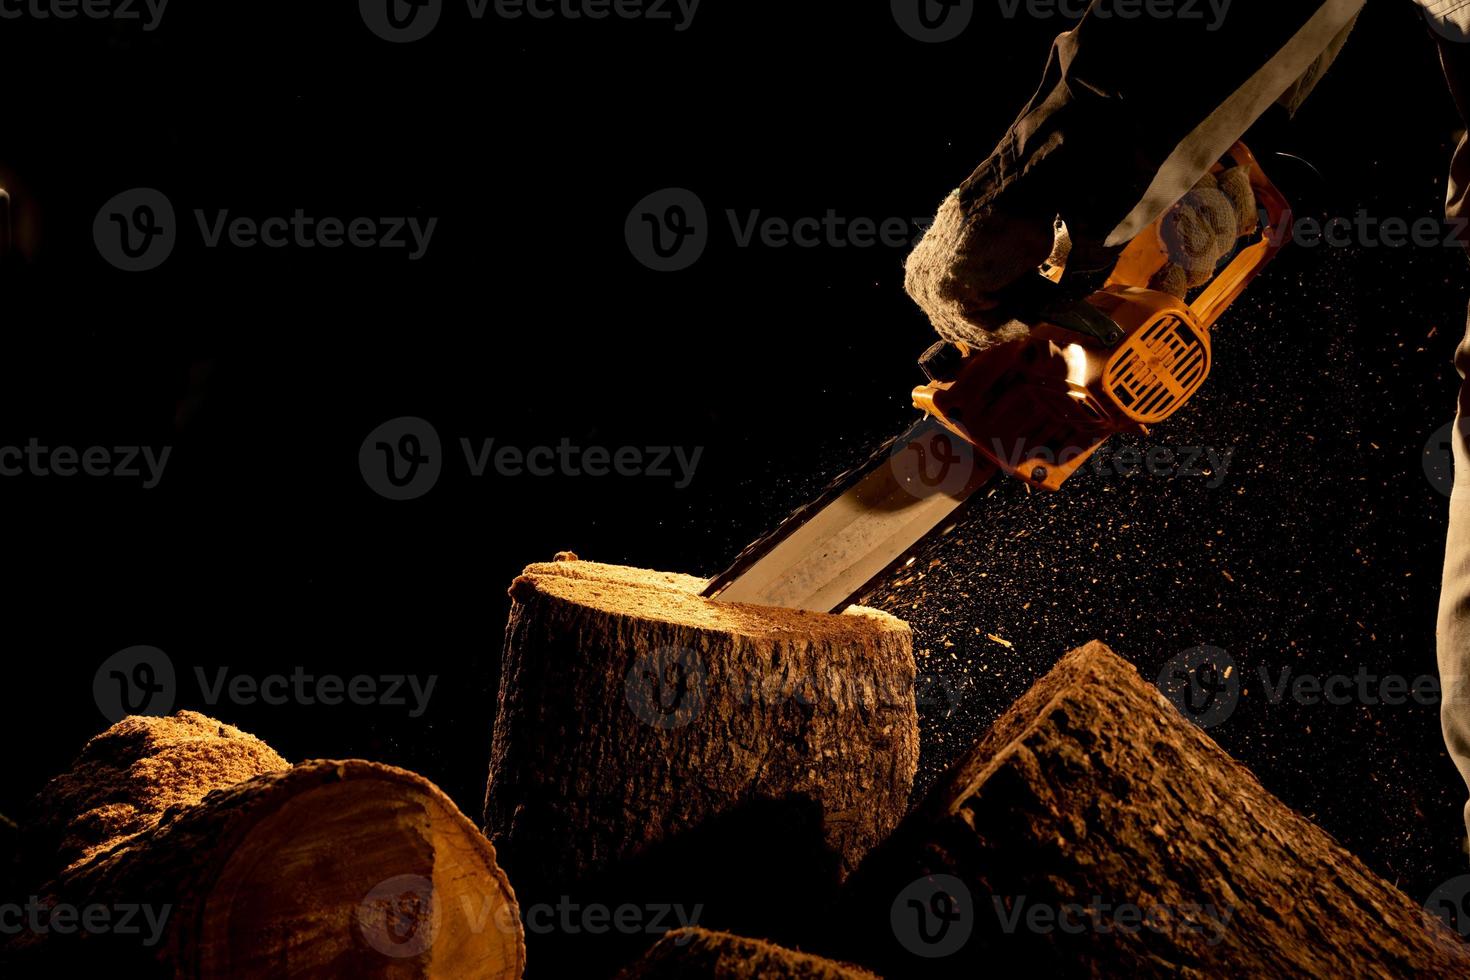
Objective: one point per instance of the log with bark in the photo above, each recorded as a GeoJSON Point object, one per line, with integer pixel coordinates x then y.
{"type": "Point", "coordinates": [701, 954]}
{"type": "Point", "coordinates": [658, 747]}
{"type": "Point", "coordinates": [226, 862]}
{"type": "Point", "coordinates": [1096, 831]}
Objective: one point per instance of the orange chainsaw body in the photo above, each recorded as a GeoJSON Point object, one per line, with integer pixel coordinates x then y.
{"type": "Point", "coordinates": [1040, 407]}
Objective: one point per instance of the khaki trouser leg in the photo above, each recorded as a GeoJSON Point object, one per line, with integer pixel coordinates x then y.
{"type": "Point", "coordinates": [1454, 596]}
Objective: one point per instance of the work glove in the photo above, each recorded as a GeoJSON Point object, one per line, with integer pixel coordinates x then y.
{"type": "Point", "coordinates": [972, 252]}
{"type": "Point", "coordinates": [1203, 228]}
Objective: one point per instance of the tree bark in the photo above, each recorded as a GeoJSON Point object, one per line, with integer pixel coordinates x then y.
{"type": "Point", "coordinates": [322, 869]}
{"type": "Point", "coordinates": [699, 954]}
{"type": "Point", "coordinates": [1095, 831]}
{"type": "Point", "coordinates": [661, 746]}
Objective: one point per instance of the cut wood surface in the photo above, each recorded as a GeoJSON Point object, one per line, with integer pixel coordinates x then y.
{"type": "Point", "coordinates": [568, 565]}
{"type": "Point", "coordinates": [1096, 831]}
{"type": "Point", "coordinates": [327, 868]}
{"type": "Point", "coordinates": [700, 954]}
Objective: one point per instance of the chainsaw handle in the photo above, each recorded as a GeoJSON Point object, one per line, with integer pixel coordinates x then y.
{"type": "Point", "coordinates": [1231, 281]}
{"type": "Point", "coordinates": [1049, 298]}
{"type": "Point", "coordinates": [1070, 303]}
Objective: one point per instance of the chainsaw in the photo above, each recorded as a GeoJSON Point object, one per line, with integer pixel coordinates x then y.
{"type": "Point", "coordinates": [1118, 361]}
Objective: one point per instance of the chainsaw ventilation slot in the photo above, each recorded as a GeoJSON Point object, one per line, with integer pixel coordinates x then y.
{"type": "Point", "coordinates": [1158, 370]}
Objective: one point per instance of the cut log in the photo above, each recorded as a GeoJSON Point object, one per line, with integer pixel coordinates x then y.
{"type": "Point", "coordinates": [1096, 831]}
{"type": "Point", "coordinates": [692, 750]}
{"type": "Point", "coordinates": [325, 868]}
{"type": "Point", "coordinates": [699, 954]}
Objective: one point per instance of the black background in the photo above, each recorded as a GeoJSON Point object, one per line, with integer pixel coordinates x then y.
{"type": "Point", "coordinates": [529, 321]}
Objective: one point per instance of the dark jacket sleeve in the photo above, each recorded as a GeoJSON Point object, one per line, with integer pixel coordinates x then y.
{"type": "Point", "coordinates": [1132, 111]}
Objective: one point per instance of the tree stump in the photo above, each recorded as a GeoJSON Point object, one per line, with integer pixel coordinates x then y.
{"type": "Point", "coordinates": [1096, 831]}
{"type": "Point", "coordinates": [325, 868]}
{"type": "Point", "coordinates": [699, 954]}
{"type": "Point", "coordinates": [655, 745]}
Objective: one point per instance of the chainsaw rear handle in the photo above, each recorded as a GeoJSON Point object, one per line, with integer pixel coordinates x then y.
{"type": "Point", "coordinates": [1123, 359]}
{"type": "Point", "coordinates": [1248, 263]}
{"type": "Point", "coordinates": [1049, 297]}
{"type": "Point", "coordinates": [1147, 254]}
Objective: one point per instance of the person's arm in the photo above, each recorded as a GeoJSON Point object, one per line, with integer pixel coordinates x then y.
{"type": "Point", "coordinates": [1129, 115]}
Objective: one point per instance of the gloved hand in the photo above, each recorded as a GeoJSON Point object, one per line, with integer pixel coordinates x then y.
{"type": "Point", "coordinates": [964, 260]}
{"type": "Point", "coordinates": [1203, 227]}
{"type": "Point", "coordinates": [975, 249]}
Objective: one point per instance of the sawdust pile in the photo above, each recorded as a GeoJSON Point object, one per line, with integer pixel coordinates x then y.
{"type": "Point", "coordinates": [128, 776]}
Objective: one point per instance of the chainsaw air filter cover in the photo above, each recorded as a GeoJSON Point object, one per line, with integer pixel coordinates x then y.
{"type": "Point", "coordinates": [1157, 369]}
